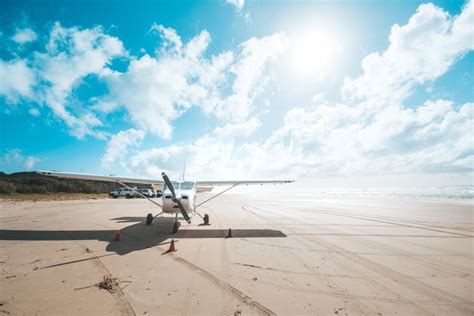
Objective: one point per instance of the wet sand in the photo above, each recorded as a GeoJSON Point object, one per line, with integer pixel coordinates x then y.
{"type": "Point", "coordinates": [301, 256]}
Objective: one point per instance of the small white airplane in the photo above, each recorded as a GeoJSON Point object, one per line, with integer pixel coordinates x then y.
{"type": "Point", "coordinates": [178, 196]}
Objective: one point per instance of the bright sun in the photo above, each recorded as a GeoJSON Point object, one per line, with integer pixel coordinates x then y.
{"type": "Point", "coordinates": [314, 52]}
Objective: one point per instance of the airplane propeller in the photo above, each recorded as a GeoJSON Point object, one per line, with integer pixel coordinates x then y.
{"type": "Point", "coordinates": [176, 199]}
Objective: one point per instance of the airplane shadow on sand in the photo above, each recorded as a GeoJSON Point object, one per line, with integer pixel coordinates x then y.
{"type": "Point", "coordinates": [137, 236]}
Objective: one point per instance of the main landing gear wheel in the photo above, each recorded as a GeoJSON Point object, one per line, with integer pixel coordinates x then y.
{"type": "Point", "coordinates": [175, 227]}
{"type": "Point", "coordinates": [206, 219]}
{"type": "Point", "coordinates": [149, 219]}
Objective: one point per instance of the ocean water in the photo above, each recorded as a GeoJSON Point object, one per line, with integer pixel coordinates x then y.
{"type": "Point", "coordinates": [465, 193]}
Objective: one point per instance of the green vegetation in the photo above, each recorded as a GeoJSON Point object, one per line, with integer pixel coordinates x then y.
{"type": "Point", "coordinates": [32, 183]}
{"type": "Point", "coordinates": [51, 197]}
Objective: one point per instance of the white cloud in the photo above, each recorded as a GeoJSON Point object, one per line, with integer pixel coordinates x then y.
{"type": "Point", "coordinates": [171, 38]}
{"type": "Point", "coordinates": [24, 36]}
{"type": "Point", "coordinates": [335, 139]}
{"type": "Point", "coordinates": [237, 4]}
{"type": "Point", "coordinates": [16, 80]}
{"type": "Point", "coordinates": [30, 162]}
{"type": "Point", "coordinates": [15, 158]}
{"type": "Point", "coordinates": [209, 156]}
{"type": "Point", "coordinates": [49, 77]}
{"type": "Point", "coordinates": [370, 133]}
{"type": "Point", "coordinates": [251, 78]}
{"type": "Point", "coordinates": [120, 144]}
{"type": "Point", "coordinates": [155, 90]}
{"type": "Point", "coordinates": [71, 55]}
{"type": "Point", "coordinates": [327, 140]}
{"type": "Point", "coordinates": [12, 156]}
{"type": "Point", "coordinates": [419, 52]}
{"type": "Point", "coordinates": [34, 112]}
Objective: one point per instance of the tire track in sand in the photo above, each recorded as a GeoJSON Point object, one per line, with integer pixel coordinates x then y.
{"type": "Point", "coordinates": [225, 264]}
{"type": "Point", "coordinates": [453, 269]}
{"type": "Point", "coordinates": [359, 306]}
{"type": "Point", "coordinates": [126, 308]}
{"type": "Point", "coordinates": [435, 294]}
{"type": "Point", "coordinates": [242, 296]}
{"type": "Point", "coordinates": [309, 241]}
{"type": "Point", "coordinates": [259, 308]}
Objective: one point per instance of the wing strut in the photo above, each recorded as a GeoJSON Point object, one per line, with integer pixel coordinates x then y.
{"type": "Point", "coordinates": [138, 192]}
{"type": "Point", "coordinates": [212, 197]}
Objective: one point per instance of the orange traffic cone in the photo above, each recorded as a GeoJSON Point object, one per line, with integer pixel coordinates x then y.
{"type": "Point", "coordinates": [172, 246]}
{"type": "Point", "coordinates": [229, 233]}
{"type": "Point", "coordinates": [117, 235]}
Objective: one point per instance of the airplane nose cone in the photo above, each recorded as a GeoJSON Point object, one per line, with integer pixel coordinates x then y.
{"type": "Point", "coordinates": [177, 198]}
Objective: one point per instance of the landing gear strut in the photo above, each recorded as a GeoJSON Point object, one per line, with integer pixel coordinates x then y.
{"type": "Point", "coordinates": [149, 219]}
{"type": "Point", "coordinates": [175, 227]}
{"type": "Point", "coordinates": [175, 224]}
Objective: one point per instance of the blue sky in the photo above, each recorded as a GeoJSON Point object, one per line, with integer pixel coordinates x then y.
{"type": "Point", "coordinates": [306, 89]}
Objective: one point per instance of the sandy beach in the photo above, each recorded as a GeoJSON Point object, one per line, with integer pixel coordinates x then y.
{"type": "Point", "coordinates": [287, 256]}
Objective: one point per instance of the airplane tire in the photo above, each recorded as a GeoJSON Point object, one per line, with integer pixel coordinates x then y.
{"type": "Point", "coordinates": [175, 228]}
{"type": "Point", "coordinates": [149, 219]}
{"type": "Point", "coordinates": [206, 219]}
{"type": "Point", "coordinates": [128, 196]}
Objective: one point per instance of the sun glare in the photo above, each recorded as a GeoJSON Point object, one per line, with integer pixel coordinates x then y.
{"type": "Point", "coordinates": [314, 52]}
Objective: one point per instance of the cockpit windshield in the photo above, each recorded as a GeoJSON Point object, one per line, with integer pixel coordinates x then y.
{"type": "Point", "coordinates": [187, 185]}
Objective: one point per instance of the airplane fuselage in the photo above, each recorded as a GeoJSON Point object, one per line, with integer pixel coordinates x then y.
{"type": "Point", "coordinates": [185, 193]}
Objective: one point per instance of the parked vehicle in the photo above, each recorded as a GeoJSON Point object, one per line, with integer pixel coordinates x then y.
{"type": "Point", "coordinates": [128, 193]}
{"type": "Point", "coordinates": [157, 193]}
{"type": "Point", "coordinates": [147, 192]}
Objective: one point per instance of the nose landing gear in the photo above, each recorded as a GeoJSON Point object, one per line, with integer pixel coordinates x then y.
{"type": "Point", "coordinates": [175, 224]}
{"type": "Point", "coordinates": [206, 219]}
{"type": "Point", "coordinates": [175, 227]}
{"type": "Point", "coordinates": [149, 219]}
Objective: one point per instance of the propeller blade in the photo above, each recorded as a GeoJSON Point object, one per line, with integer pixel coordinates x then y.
{"type": "Point", "coordinates": [183, 212]}
{"type": "Point", "coordinates": [181, 207]}
{"type": "Point", "coordinates": [168, 184]}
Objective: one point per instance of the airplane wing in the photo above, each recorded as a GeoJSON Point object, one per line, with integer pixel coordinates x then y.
{"type": "Point", "coordinates": [114, 178]}
{"type": "Point", "coordinates": [96, 177]}
{"type": "Point", "coordinates": [243, 182]}
{"type": "Point", "coordinates": [201, 186]}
